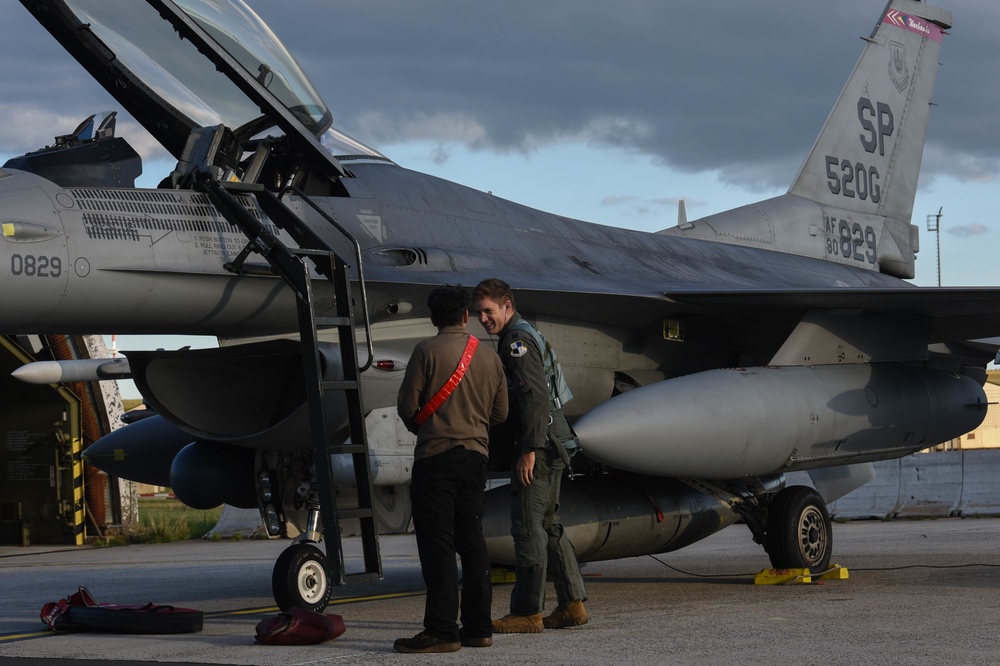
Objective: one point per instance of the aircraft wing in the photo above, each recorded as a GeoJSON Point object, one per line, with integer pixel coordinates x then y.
{"type": "Point", "coordinates": [960, 313]}
{"type": "Point", "coordinates": [953, 313]}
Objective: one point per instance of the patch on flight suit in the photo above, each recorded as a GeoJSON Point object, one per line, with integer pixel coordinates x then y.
{"type": "Point", "coordinates": [518, 349]}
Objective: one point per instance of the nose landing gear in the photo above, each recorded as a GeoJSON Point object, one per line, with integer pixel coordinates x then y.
{"type": "Point", "coordinates": [299, 578]}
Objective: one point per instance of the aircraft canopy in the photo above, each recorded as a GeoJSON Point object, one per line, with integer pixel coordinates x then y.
{"type": "Point", "coordinates": [147, 56]}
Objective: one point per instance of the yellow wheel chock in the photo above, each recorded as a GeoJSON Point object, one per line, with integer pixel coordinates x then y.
{"type": "Point", "coordinates": [787, 576]}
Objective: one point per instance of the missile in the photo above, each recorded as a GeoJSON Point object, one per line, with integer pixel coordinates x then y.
{"type": "Point", "coordinates": [202, 474]}
{"type": "Point", "coordinates": [725, 424]}
{"type": "Point", "coordinates": [142, 451]}
{"type": "Point", "coordinates": [154, 450]}
{"type": "Point", "coordinates": [80, 370]}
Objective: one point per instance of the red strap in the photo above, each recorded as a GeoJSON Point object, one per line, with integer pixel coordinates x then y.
{"type": "Point", "coordinates": [450, 385]}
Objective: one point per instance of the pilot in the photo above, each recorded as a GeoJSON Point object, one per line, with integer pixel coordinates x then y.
{"type": "Point", "coordinates": [544, 442]}
{"type": "Point", "coordinates": [452, 392]}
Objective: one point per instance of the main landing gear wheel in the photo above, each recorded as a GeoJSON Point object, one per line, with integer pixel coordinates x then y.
{"type": "Point", "coordinates": [299, 578]}
{"type": "Point", "coordinates": [799, 533]}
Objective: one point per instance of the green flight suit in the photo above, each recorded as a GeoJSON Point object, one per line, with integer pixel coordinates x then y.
{"type": "Point", "coordinates": [539, 539]}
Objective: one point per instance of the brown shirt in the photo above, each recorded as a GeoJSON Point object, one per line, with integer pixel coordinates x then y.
{"type": "Point", "coordinates": [479, 400]}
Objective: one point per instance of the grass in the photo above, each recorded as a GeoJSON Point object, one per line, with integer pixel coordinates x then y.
{"type": "Point", "coordinates": [165, 520]}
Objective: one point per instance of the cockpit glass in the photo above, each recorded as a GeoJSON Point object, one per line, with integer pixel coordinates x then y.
{"type": "Point", "coordinates": [148, 46]}
{"type": "Point", "coordinates": [247, 39]}
{"type": "Point", "coordinates": [342, 145]}
{"type": "Point", "coordinates": [173, 69]}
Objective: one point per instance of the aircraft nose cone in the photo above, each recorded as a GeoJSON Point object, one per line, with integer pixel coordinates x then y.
{"type": "Point", "coordinates": [609, 434]}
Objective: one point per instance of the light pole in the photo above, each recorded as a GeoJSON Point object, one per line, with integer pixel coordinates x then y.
{"type": "Point", "coordinates": [934, 224]}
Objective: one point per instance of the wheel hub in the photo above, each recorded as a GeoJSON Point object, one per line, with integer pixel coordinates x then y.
{"type": "Point", "coordinates": [312, 581]}
{"type": "Point", "coordinates": [812, 531]}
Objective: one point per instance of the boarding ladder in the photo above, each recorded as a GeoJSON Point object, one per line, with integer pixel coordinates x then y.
{"type": "Point", "coordinates": [293, 265]}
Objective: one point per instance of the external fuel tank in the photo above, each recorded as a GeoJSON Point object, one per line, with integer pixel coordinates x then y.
{"type": "Point", "coordinates": [725, 424]}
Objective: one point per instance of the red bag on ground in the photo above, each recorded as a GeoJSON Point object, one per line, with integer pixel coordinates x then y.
{"type": "Point", "coordinates": [297, 626]}
{"type": "Point", "coordinates": [82, 612]}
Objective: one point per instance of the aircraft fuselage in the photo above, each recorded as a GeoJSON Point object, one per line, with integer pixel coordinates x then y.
{"type": "Point", "coordinates": [86, 260]}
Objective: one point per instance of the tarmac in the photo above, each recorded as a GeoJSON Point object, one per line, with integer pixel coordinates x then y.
{"type": "Point", "coordinates": [918, 592]}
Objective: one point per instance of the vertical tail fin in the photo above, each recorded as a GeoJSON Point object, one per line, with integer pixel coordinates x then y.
{"type": "Point", "coordinates": [867, 156]}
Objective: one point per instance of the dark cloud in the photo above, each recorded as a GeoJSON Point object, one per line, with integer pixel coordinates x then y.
{"type": "Point", "coordinates": [696, 86]}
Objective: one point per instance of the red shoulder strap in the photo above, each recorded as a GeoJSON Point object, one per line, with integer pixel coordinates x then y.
{"type": "Point", "coordinates": [450, 385]}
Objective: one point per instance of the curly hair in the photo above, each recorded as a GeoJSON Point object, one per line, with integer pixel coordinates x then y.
{"type": "Point", "coordinates": [448, 305]}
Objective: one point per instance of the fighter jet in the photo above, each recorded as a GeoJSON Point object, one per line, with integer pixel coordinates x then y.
{"type": "Point", "coordinates": [712, 363]}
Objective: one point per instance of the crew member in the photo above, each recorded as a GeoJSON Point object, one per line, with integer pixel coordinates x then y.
{"type": "Point", "coordinates": [542, 450]}
{"type": "Point", "coordinates": [452, 392]}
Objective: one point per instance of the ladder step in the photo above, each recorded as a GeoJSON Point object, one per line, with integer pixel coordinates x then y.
{"type": "Point", "coordinates": [311, 252]}
{"type": "Point", "coordinates": [346, 448]}
{"type": "Point", "coordinates": [330, 322]}
{"type": "Point", "coordinates": [340, 385]}
{"type": "Point", "coordinates": [355, 578]}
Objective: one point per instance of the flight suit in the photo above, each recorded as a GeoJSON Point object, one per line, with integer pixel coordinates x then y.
{"type": "Point", "coordinates": [539, 540]}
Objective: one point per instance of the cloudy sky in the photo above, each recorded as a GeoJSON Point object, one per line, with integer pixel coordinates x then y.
{"type": "Point", "coordinates": [608, 112]}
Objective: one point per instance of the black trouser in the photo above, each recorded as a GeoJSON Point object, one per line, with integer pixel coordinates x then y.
{"type": "Point", "coordinates": [447, 491]}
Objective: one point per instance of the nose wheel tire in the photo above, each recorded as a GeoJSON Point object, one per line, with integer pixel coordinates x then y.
{"type": "Point", "coordinates": [300, 578]}
{"type": "Point", "coordinates": [799, 532]}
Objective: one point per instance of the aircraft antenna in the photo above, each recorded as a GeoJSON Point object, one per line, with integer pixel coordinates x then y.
{"type": "Point", "coordinates": [682, 220]}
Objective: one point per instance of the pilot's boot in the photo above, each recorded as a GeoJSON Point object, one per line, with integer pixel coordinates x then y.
{"type": "Point", "coordinates": [572, 614]}
{"type": "Point", "coordinates": [526, 602]}
{"type": "Point", "coordinates": [518, 624]}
